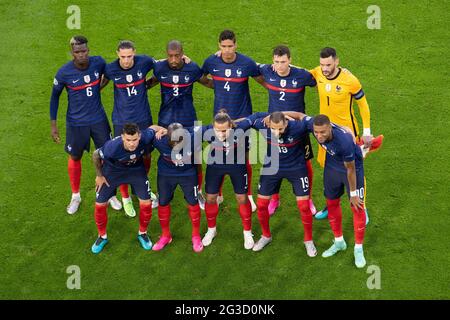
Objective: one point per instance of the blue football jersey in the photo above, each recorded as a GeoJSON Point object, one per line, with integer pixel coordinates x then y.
{"type": "Point", "coordinates": [118, 159]}
{"type": "Point", "coordinates": [231, 90]}
{"type": "Point", "coordinates": [175, 163]}
{"type": "Point", "coordinates": [176, 93]}
{"type": "Point", "coordinates": [83, 93]}
{"type": "Point", "coordinates": [287, 93]}
{"type": "Point", "coordinates": [130, 91]}
{"type": "Point", "coordinates": [341, 148]}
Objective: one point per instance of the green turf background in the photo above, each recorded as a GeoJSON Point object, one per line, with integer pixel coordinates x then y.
{"type": "Point", "coordinates": [404, 69]}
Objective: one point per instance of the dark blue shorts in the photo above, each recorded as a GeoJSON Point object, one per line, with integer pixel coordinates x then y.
{"type": "Point", "coordinates": [137, 178]}
{"type": "Point", "coordinates": [270, 184]}
{"type": "Point", "coordinates": [78, 139]}
{"type": "Point", "coordinates": [334, 183]}
{"type": "Point", "coordinates": [168, 184]}
{"type": "Point", "coordinates": [238, 176]}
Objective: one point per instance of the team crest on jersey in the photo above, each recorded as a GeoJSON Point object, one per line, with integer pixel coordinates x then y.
{"type": "Point", "coordinates": [338, 88]}
{"type": "Point", "coordinates": [175, 79]}
{"type": "Point", "coordinates": [87, 78]}
{"type": "Point", "coordinates": [129, 78]}
{"type": "Point", "coordinates": [186, 79]}
{"type": "Point", "coordinates": [139, 74]}
{"type": "Point", "coordinates": [328, 87]}
{"type": "Point", "coordinates": [133, 156]}
{"type": "Point", "coordinates": [227, 72]}
{"type": "Point", "coordinates": [294, 83]}
{"type": "Point", "coordinates": [280, 140]}
{"type": "Point", "coordinates": [283, 83]}
{"type": "Point", "coordinates": [178, 156]}
{"type": "Point", "coordinates": [96, 74]}
{"type": "Point", "coordinates": [239, 72]}
{"type": "Point", "coordinates": [226, 144]}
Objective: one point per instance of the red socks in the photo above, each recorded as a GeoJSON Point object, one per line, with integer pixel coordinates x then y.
{"type": "Point", "coordinates": [306, 216]}
{"type": "Point", "coordinates": [164, 219]}
{"type": "Point", "coordinates": [74, 170]}
{"type": "Point", "coordinates": [249, 177]}
{"type": "Point", "coordinates": [145, 214]}
{"type": "Point", "coordinates": [101, 218]}
{"type": "Point", "coordinates": [245, 211]}
{"type": "Point", "coordinates": [124, 191]}
{"type": "Point", "coordinates": [359, 224]}
{"type": "Point", "coordinates": [335, 216]}
{"type": "Point", "coordinates": [194, 214]}
{"type": "Point", "coordinates": [309, 168]}
{"type": "Point", "coordinates": [211, 210]}
{"type": "Point", "coordinates": [263, 216]}
{"type": "Point", "coordinates": [276, 197]}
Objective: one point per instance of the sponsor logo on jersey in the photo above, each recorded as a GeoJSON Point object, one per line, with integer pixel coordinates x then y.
{"type": "Point", "coordinates": [227, 72]}
{"type": "Point", "coordinates": [87, 78]}
{"type": "Point", "coordinates": [175, 79]}
{"type": "Point", "coordinates": [129, 78]}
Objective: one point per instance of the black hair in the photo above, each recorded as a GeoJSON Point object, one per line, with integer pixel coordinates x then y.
{"type": "Point", "coordinates": [126, 44]}
{"type": "Point", "coordinates": [281, 50]}
{"type": "Point", "coordinates": [172, 128]}
{"type": "Point", "coordinates": [174, 45]}
{"type": "Point", "coordinates": [328, 52]}
{"type": "Point", "coordinates": [321, 120]}
{"type": "Point", "coordinates": [78, 40]}
{"type": "Point", "coordinates": [227, 35]}
{"type": "Point", "coordinates": [130, 128]}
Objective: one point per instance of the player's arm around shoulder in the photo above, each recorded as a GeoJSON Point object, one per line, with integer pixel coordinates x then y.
{"type": "Point", "coordinates": [100, 179]}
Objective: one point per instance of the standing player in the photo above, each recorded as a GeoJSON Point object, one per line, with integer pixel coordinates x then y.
{"type": "Point", "coordinates": [120, 161]}
{"type": "Point", "coordinates": [128, 73]}
{"type": "Point", "coordinates": [176, 167]}
{"type": "Point", "coordinates": [226, 157]}
{"type": "Point", "coordinates": [285, 155]}
{"type": "Point", "coordinates": [343, 168]}
{"type": "Point", "coordinates": [338, 88]}
{"type": "Point", "coordinates": [286, 85]}
{"type": "Point", "coordinates": [177, 79]}
{"type": "Point", "coordinates": [85, 117]}
{"type": "Point", "coordinates": [230, 72]}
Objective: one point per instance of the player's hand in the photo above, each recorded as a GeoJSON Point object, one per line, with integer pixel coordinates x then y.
{"type": "Point", "coordinates": [289, 118]}
{"type": "Point", "coordinates": [357, 202]}
{"type": "Point", "coordinates": [99, 182]}
{"type": "Point", "coordinates": [161, 133]}
{"type": "Point", "coordinates": [55, 135]}
{"type": "Point", "coordinates": [186, 59]}
{"type": "Point", "coordinates": [367, 141]}
{"type": "Point", "coordinates": [218, 53]}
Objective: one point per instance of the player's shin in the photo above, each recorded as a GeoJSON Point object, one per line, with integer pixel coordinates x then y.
{"type": "Point", "coordinates": [211, 210]}
{"type": "Point", "coordinates": [145, 214]}
{"type": "Point", "coordinates": [124, 191]}
{"type": "Point", "coordinates": [101, 218]}
{"type": "Point", "coordinates": [164, 219]}
{"type": "Point", "coordinates": [194, 215]}
{"type": "Point", "coordinates": [245, 211]}
{"type": "Point", "coordinates": [74, 170]}
{"type": "Point", "coordinates": [306, 216]}
{"type": "Point", "coordinates": [263, 216]}
{"type": "Point", "coordinates": [335, 216]}
{"type": "Point", "coordinates": [359, 224]}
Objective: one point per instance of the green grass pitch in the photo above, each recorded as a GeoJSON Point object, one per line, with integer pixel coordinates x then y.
{"type": "Point", "coordinates": [404, 70]}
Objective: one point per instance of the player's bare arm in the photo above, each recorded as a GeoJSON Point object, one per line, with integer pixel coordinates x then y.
{"type": "Point", "coordinates": [150, 83]}
{"type": "Point", "coordinates": [54, 131]}
{"type": "Point", "coordinates": [104, 82]}
{"type": "Point", "coordinates": [100, 180]}
{"type": "Point", "coordinates": [351, 176]}
{"type": "Point", "coordinates": [160, 131]}
{"type": "Point", "coordinates": [206, 81]}
{"type": "Point", "coordinates": [260, 80]}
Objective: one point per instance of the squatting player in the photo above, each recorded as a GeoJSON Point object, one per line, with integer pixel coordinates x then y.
{"type": "Point", "coordinates": [230, 72]}
{"type": "Point", "coordinates": [120, 161]}
{"type": "Point", "coordinates": [85, 117]}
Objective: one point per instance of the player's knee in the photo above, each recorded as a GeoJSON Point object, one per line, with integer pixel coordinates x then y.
{"type": "Point", "coordinates": [303, 207]}
{"type": "Point", "coordinates": [144, 202]}
{"type": "Point", "coordinates": [262, 203]}
{"type": "Point", "coordinates": [101, 204]}
{"type": "Point", "coordinates": [241, 198]}
{"type": "Point", "coordinates": [333, 203]}
{"type": "Point", "coordinates": [211, 198]}
{"type": "Point", "coordinates": [76, 157]}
